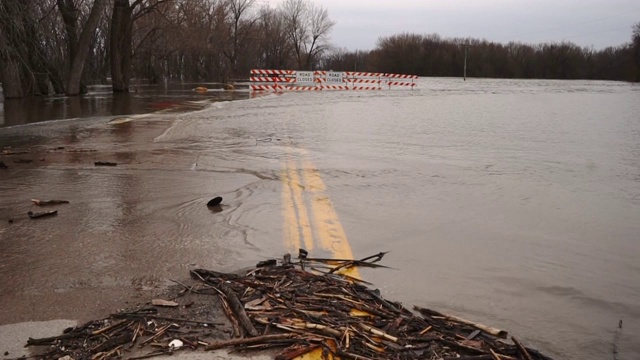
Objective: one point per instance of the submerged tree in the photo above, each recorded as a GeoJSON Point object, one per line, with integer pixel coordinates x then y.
{"type": "Point", "coordinates": [123, 16]}
{"type": "Point", "coordinates": [78, 47]}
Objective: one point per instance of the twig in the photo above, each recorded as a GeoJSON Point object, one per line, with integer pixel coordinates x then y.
{"type": "Point", "coordinates": [521, 350]}
{"type": "Point", "coordinates": [248, 341]}
{"type": "Point", "coordinates": [142, 316]}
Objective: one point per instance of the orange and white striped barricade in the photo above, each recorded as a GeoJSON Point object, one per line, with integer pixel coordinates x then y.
{"type": "Point", "coordinates": [401, 76]}
{"type": "Point", "coordinates": [364, 81]}
{"type": "Point", "coordinates": [366, 88]}
{"type": "Point", "coordinates": [275, 87]}
{"type": "Point", "coordinates": [360, 74]}
{"type": "Point", "coordinates": [391, 80]}
{"type": "Point", "coordinates": [275, 77]}
{"type": "Point", "coordinates": [302, 88]}
{"type": "Point", "coordinates": [334, 87]}
{"type": "Point", "coordinates": [270, 79]}
{"type": "Point", "coordinates": [400, 83]}
{"type": "Point", "coordinates": [265, 79]}
{"type": "Point", "coordinates": [271, 72]}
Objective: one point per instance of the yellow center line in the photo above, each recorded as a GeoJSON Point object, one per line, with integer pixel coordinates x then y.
{"type": "Point", "coordinates": [291, 234]}
{"type": "Point", "coordinates": [325, 226]}
{"type": "Point", "coordinates": [303, 218]}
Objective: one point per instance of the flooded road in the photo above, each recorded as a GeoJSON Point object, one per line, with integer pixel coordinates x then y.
{"type": "Point", "coordinates": [511, 203]}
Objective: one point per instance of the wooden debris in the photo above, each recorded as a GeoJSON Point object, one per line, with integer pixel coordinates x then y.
{"type": "Point", "coordinates": [161, 302]}
{"type": "Point", "coordinates": [40, 214]}
{"type": "Point", "coordinates": [238, 310]}
{"type": "Point", "coordinates": [48, 202]}
{"type": "Point", "coordinates": [279, 304]}
{"type": "Point", "coordinates": [489, 330]}
{"type": "Point", "coordinates": [104, 163]}
{"type": "Point", "coordinates": [521, 350]}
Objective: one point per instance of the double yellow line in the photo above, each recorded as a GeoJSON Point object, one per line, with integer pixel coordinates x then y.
{"type": "Point", "coordinates": [310, 220]}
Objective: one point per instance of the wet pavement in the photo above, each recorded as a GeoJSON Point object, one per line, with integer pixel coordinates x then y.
{"type": "Point", "coordinates": [512, 203]}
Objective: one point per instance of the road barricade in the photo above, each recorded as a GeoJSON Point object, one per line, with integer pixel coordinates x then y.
{"type": "Point", "coordinates": [297, 80]}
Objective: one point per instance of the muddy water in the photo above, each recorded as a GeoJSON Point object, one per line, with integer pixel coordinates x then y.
{"type": "Point", "coordinates": [101, 101]}
{"type": "Point", "coordinates": [512, 203]}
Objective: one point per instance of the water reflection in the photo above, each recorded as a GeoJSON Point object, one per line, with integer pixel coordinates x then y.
{"type": "Point", "coordinates": [100, 101]}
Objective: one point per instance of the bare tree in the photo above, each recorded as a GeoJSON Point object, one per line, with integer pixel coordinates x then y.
{"type": "Point", "coordinates": [28, 67]}
{"type": "Point", "coordinates": [79, 49]}
{"type": "Point", "coordinates": [295, 15]}
{"type": "Point", "coordinates": [320, 26]}
{"type": "Point", "coordinates": [240, 29]}
{"type": "Point", "coordinates": [274, 48]}
{"type": "Point", "coordinates": [121, 36]}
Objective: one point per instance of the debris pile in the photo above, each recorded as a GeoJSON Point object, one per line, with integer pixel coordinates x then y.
{"type": "Point", "coordinates": [296, 307]}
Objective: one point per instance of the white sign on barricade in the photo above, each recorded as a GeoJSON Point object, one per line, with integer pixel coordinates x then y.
{"type": "Point", "coordinates": [334, 77]}
{"type": "Point", "coordinates": [304, 77]}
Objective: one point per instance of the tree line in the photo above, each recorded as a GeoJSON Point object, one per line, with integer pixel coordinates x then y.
{"type": "Point", "coordinates": [432, 55]}
{"type": "Point", "coordinates": [60, 46]}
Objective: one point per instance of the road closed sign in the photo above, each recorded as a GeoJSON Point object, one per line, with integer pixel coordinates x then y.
{"type": "Point", "coordinates": [304, 76]}
{"type": "Point", "coordinates": [334, 77]}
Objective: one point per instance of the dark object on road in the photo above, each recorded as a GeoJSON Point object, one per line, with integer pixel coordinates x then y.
{"type": "Point", "coordinates": [39, 214]}
{"type": "Point", "coordinates": [22, 161]}
{"type": "Point", "coordinates": [323, 312]}
{"type": "Point", "coordinates": [104, 163]}
{"type": "Point", "coordinates": [48, 202]}
{"type": "Point", "coordinates": [215, 201]}
{"type": "Point", "coordinates": [270, 262]}
{"type": "Point", "coordinates": [3, 165]}
{"type": "Point", "coordinates": [10, 220]}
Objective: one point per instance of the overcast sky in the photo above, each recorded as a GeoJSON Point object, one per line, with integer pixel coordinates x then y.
{"type": "Point", "coordinates": [597, 23]}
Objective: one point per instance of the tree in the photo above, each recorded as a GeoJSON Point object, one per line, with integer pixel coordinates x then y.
{"type": "Point", "coordinates": [239, 30]}
{"type": "Point", "coordinates": [26, 61]}
{"type": "Point", "coordinates": [274, 49]}
{"type": "Point", "coordinates": [320, 26]}
{"type": "Point", "coordinates": [295, 16]}
{"type": "Point", "coordinates": [307, 28]}
{"type": "Point", "coordinates": [123, 17]}
{"type": "Point", "coordinates": [78, 48]}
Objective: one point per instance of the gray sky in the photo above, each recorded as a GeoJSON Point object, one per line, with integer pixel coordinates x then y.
{"type": "Point", "coordinates": [597, 23]}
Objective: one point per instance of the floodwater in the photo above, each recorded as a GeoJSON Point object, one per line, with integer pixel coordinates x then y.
{"type": "Point", "coordinates": [509, 202]}
{"type": "Point", "coordinates": [100, 101]}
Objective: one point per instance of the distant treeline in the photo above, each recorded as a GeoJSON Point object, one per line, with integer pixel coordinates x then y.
{"type": "Point", "coordinates": [59, 46]}
{"type": "Point", "coordinates": [432, 55]}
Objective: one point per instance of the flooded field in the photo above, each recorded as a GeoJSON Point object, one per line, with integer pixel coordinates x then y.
{"type": "Point", "coordinates": [509, 202]}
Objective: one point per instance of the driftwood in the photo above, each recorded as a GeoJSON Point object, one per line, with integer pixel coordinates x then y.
{"type": "Point", "coordinates": [281, 305]}
{"type": "Point", "coordinates": [104, 163]}
{"type": "Point", "coordinates": [238, 310]}
{"type": "Point", "coordinates": [40, 214]}
{"type": "Point", "coordinates": [247, 341]}
{"type": "Point", "coordinates": [489, 330]}
{"type": "Point", "coordinates": [48, 202]}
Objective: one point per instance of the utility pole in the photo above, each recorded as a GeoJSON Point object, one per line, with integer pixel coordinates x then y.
{"type": "Point", "coordinates": [466, 51]}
